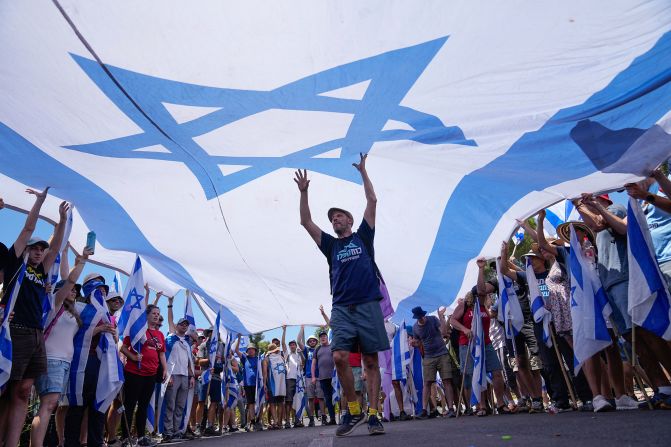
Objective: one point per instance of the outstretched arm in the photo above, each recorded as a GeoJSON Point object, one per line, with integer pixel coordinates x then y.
{"type": "Point", "coordinates": [56, 241]}
{"type": "Point", "coordinates": [31, 221]}
{"type": "Point", "coordinates": [663, 182]}
{"type": "Point", "coordinates": [71, 278]}
{"type": "Point", "coordinates": [237, 347]}
{"type": "Point", "coordinates": [306, 217]}
{"type": "Point", "coordinates": [589, 215]}
{"type": "Point", "coordinates": [619, 225]}
{"type": "Point", "coordinates": [171, 317]}
{"type": "Point", "coordinates": [527, 229]}
{"type": "Point", "coordinates": [503, 265]}
{"type": "Point", "coordinates": [324, 316]}
{"type": "Point", "coordinates": [371, 198]}
{"type": "Point", "coordinates": [637, 192]}
{"type": "Point", "coordinates": [65, 263]}
{"type": "Point", "coordinates": [300, 338]}
{"type": "Point", "coordinates": [540, 235]}
{"type": "Point", "coordinates": [284, 336]}
{"type": "Point", "coordinates": [482, 288]}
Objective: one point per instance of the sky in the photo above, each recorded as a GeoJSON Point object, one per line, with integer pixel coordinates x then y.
{"type": "Point", "coordinates": [11, 223]}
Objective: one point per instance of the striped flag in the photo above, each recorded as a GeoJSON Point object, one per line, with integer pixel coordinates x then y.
{"type": "Point", "coordinates": [510, 311]}
{"type": "Point", "coordinates": [5, 336]}
{"type": "Point", "coordinates": [298, 403]}
{"type": "Point", "coordinates": [90, 316]}
{"type": "Point", "coordinates": [232, 387]}
{"type": "Point", "coordinates": [50, 298]}
{"type": "Point", "coordinates": [260, 391]}
{"type": "Point", "coordinates": [479, 380]}
{"type": "Point", "coordinates": [110, 378]}
{"type": "Point", "coordinates": [589, 307]}
{"type": "Point", "coordinates": [133, 318]}
{"type": "Point", "coordinates": [116, 283]}
{"type": "Point", "coordinates": [649, 298]}
{"type": "Point", "coordinates": [417, 374]}
{"type": "Point", "coordinates": [188, 313]}
{"type": "Point", "coordinates": [212, 349]}
{"type": "Point", "coordinates": [518, 236]}
{"type": "Point", "coordinates": [538, 309]}
{"type": "Point", "coordinates": [400, 354]}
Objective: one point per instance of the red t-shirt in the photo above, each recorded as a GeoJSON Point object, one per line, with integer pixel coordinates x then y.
{"type": "Point", "coordinates": [467, 320]}
{"type": "Point", "coordinates": [355, 359]}
{"type": "Point", "coordinates": [150, 354]}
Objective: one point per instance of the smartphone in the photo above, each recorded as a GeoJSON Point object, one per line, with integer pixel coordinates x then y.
{"type": "Point", "coordinates": [91, 241]}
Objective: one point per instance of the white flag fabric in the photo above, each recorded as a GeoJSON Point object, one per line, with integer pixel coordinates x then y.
{"type": "Point", "coordinates": [509, 308]}
{"type": "Point", "coordinates": [589, 307]}
{"type": "Point", "coordinates": [557, 214]}
{"type": "Point", "coordinates": [649, 297]}
{"type": "Point", "coordinates": [133, 319]}
{"type": "Point", "coordinates": [400, 354]}
{"type": "Point", "coordinates": [538, 309]}
{"type": "Point", "coordinates": [186, 135]}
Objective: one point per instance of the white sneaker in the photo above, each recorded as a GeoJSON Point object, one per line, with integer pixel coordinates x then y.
{"type": "Point", "coordinates": [626, 403]}
{"type": "Point", "coordinates": [601, 404]}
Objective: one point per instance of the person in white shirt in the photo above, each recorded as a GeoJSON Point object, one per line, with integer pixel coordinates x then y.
{"type": "Point", "coordinates": [294, 361]}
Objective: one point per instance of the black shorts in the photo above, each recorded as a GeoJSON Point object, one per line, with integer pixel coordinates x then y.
{"type": "Point", "coordinates": [291, 389]}
{"type": "Point", "coordinates": [358, 326]}
{"type": "Point", "coordinates": [29, 356]}
{"type": "Point", "coordinates": [250, 394]}
{"type": "Point", "coordinates": [526, 339]}
{"type": "Point", "coordinates": [276, 399]}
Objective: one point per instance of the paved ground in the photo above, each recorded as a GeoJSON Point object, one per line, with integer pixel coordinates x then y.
{"type": "Point", "coordinates": [640, 428]}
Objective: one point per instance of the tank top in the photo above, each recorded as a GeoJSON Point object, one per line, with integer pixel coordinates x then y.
{"type": "Point", "coordinates": [467, 320]}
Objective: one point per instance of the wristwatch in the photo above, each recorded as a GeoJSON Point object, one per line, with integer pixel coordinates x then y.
{"type": "Point", "coordinates": [650, 198]}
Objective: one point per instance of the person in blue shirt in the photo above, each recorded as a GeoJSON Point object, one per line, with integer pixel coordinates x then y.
{"type": "Point", "coordinates": [356, 316]}
{"type": "Point", "coordinates": [250, 366]}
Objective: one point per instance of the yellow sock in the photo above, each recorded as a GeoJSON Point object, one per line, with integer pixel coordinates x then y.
{"type": "Point", "coordinates": [354, 408]}
{"type": "Point", "coordinates": [372, 411]}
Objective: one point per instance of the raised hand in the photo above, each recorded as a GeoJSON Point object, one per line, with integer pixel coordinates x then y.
{"type": "Point", "coordinates": [302, 180]}
{"type": "Point", "coordinates": [541, 214]}
{"type": "Point", "coordinates": [634, 190]}
{"type": "Point", "coordinates": [441, 311]}
{"type": "Point", "coordinates": [39, 195]}
{"type": "Point", "coordinates": [63, 209]}
{"type": "Point", "coordinates": [481, 262]}
{"type": "Point", "coordinates": [361, 166]}
{"type": "Point", "coordinates": [504, 250]}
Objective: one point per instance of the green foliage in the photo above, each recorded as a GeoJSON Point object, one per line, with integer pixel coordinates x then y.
{"type": "Point", "coordinates": [318, 329]}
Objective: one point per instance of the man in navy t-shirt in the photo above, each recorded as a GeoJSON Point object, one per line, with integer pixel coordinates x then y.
{"type": "Point", "coordinates": [356, 317]}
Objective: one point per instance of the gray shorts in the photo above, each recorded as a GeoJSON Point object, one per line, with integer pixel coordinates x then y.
{"type": "Point", "coordinates": [359, 328]}
{"type": "Point", "coordinates": [291, 390]}
{"type": "Point", "coordinates": [313, 390]}
{"type": "Point", "coordinates": [618, 297]}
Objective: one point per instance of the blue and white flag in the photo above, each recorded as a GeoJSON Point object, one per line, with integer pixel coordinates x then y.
{"type": "Point", "coordinates": [518, 236]}
{"type": "Point", "coordinates": [479, 380]}
{"type": "Point", "coordinates": [260, 389]}
{"type": "Point", "coordinates": [233, 388]}
{"type": "Point", "coordinates": [5, 336]}
{"type": "Point", "coordinates": [400, 354]}
{"type": "Point", "coordinates": [417, 374]}
{"type": "Point", "coordinates": [116, 283]}
{"type": "Point", "coordinates": [538, 309]}
{"type": "Point", "coordinates": [110, 376]}
{"type": "Point", "coordinates": [649, 297]}
{"type": "Point", "coordinates": [299, 401]}
{"type": "Point", "coordinates": [509, 309]}
{"type": "Point", "coordinates": [557, 214]}
{"type": "Point", "coordinates": [156, 405]}
{"type": "Point", "coordinates": [589, 307]}
{"type": "Point", "coordinates": [335, 384]}
{"type": "Point", "coordinates": [188, 313]}
{"type": "Point", "coordinates": [213, 346]}
{"type": "Point", "coordinates": [439, 108]}
{"type": "Point", "coordinates": [90, 316]}
{"type": "Point", "coordinates": [54, 271]}
{"type": "Point", "coordinates": [133, 319]}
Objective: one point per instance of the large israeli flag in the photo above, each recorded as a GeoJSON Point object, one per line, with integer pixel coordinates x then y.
{"type": "Point", "coordinates": [509, 308]}
{"type": "Point", "coordinates": [540, 312]}
{"type": "Point", "coordinates": [649, 297]}
{"type": "Point", "coordinates": [299, 401]}
{"type": "Point", "coordinates": [589, 307]}
{"type": "Point", "coordinates": [557, 214]}
{"type": "Point", "coordinates": [133, 319]}
{"type": "Point", "coordinates": [5, 336]}
{"type": "Point", "coordinates": [175, 127]}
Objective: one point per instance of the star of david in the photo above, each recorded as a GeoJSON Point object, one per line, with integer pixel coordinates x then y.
{"type": "Point", "coordinates": [391, 75]}
{"type": "Point", "coordinates": [138, 299]}
{"type": "Point", "coordinates": [300, 388]}
{"type": "Point", "coordinates": [280, 368]}
{"type": "Point", "coordinates": [573, 301]}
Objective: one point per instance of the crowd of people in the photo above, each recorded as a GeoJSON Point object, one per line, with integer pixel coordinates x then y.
{"type": "Point", "coordinates": [183, 383]}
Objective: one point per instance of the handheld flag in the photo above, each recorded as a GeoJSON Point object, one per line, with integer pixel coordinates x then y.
{"type": "Point", "coordinates": [479, 380]}
{"type": "Point", "coordinates": [260, 390]}
{"type": "Point", "coordinates": [298, 403]}
{"type": "Point", "coordinates": [5, 337]}
{"type": "Point", "coordinates": [188, 313]}
{"type": "Point", "coordinates": [518, 236]}
{"type": "Point", "coordinates": [649, 297]}
{"type": "Point", "coordinates": [400, 354]}
{"type": "Point", "coordinates": [116, 283]}
{"type": "Point", "coordinates": [50, 298]}
{"type": "Point", "coordinates": [589, 307]}
{"type": "Point", "coordinates": [133, 320]}
{"type": "Point", "coordinates": [538, 309]}
{"type": "Point", "coordinates": [510, 311]}
{"type": "Point", "coordinates": [213, 345]}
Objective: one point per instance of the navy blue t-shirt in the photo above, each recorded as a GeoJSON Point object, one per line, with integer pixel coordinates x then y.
{"type": "Point", "coordinates": [310, 353]}
{"type": "Point", "coordinates": [353, 278]}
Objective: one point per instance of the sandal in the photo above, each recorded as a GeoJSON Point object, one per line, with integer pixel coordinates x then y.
{"type": "Point", "coordinates": [503, 410]}
{"type": "Point", "coordinates": [481, 412]}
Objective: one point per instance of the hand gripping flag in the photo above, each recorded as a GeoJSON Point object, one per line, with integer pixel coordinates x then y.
{"type": "Point", "coordinates": [400, 354]}
{"type": "Point", "coordinates": [5, 337]}
{"type": "Point", "coordinates": [133, 319]}
{"type": "Point", "coordinates": [298, 403]}
{"type": "Point", "coordinates": [49, 299]}
{"type": "Point", "coordinates": [479, 380]}
{"type": "Point", "coordinates": [111, 377]}
{"type": "Point", "coordinates": [589, 307]}
{"type": "Point", "coordinates": [518, 236]}
{"type": "Point", "coordinates": [510, 311]}
{"type": "Point", "coordinates": [260, 390]}
{"type": "Point", "coordinates": [538, 309]}
{"type": "Point", "coordinates": [649, 298]}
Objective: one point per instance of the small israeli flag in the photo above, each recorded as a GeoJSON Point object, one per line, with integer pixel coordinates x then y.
{"type": "Point", "coordinates": [400, 354]}
{"type": "Point", "coordinates": [133, 319]}
{"type": "Point", "coordinates": [538, 309]}
{"type": "Point", "coordinates": [479, 381]}
{"type": "Point", "coordinates": [5, 337]}
{"type": "Point", "coordinates": [510, 311]}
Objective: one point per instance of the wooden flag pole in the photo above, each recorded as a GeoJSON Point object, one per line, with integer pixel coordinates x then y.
{"type": "Point", "coordinates": [569, 386]}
